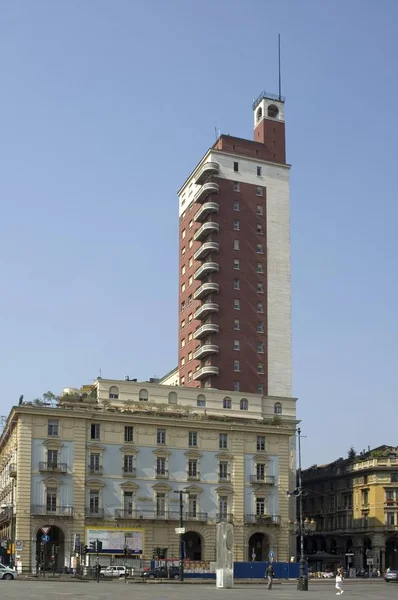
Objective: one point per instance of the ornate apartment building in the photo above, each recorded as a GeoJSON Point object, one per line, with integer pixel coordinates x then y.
{"type": "Point", "coordinates": [108, 465]}
{"type": "Point", "coordinates": [354, 503]}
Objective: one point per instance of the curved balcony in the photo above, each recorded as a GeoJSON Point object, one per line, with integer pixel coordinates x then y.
{"type": "Point", "coordinates": [207, 170]}
{"type": "Point", "coordinates": [206, 350]}
{"type": "Point", "coordinates": [204, 330]}
{"type": "Point", "coordinates": [205, 309]}
{"type": "Point", "coordinates": [205, 249]}
{"type": "Point", "coordinates": [205, 190]}
{"type": "Point", "coordinates": [206, 372]}
{"type": "Point", "coordinates": [206, 209]}
{"type": "Point", "coordinates": [209, 227]}
{"type": "Point", "coordinates": [205, 289]}
{"type": "Point", "coordinates": [206, 269]}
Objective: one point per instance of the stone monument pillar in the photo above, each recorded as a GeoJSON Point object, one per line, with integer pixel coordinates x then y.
{"type": "Point", "coordinates": [225, 560]}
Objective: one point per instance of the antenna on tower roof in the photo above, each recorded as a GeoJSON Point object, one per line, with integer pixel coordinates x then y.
{"type": "Point", "coordinates": [279, 66]}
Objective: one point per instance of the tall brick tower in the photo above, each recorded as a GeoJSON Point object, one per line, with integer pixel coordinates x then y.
{"type": "Point", "coordinates": [234, 281]}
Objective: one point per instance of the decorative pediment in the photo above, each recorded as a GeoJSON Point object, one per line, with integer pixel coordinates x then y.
{"type": "Point", "coordinates": [193, 489]}
{"type": "Point", "coordinates": [193, 453]}
{"type": "Point", "coordinates": [129, 449]}
{"type": "Point", "coordinates": [56, 444]}
{"type": "Point", "coordinates": [261, 457]}
{"type": "Point", "coordinates": [95, 447]}
{"type": "Point", "coordinates": [95, 483]}
{"type": "Point", "coordinates": [52, 482]}
{"type": "Point", "coordinates": [224, 490]}
{"type": "Point", "coordinates": [161, 487]}
{"type": "Point", "coordinates": [129, 485]}
{"type": "Point", "coordinates": [224, 456]}
{"type": "Point", "coordinates": [261, 491]}
{"type": "Point", "coordinates": [161, 452]}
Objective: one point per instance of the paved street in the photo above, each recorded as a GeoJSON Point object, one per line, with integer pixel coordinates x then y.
{"type": "Point", "coordinates": [19, 590]}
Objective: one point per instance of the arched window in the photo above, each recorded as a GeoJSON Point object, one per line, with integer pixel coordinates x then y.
{"type": "Point", "coordinates": [113, 392]}
{"type": "Point", "coordinates": [201, 401]}
{"type": "Point", "coordinates": [143, 396]}
{"type": "Point", "coordinates": [277, 408]}
{"type": "Point", "coordinates": [244, 405]}
{"type": "Point", "coordinates": [227, 402]}
{"type": "Point", "coordinates": [273, 111]}
{"type": "Point", "coordinates": [172, 398]}
{"type": "Point", "coordinates": [259, 114]}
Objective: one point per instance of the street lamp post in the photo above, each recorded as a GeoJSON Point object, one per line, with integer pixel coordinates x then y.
{"type": "Point", "coordinates": [181, 570]}
{"type": "Point", "coordinates": [10, 508]}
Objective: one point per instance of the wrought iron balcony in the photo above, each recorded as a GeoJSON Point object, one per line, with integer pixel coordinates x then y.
{"type": "Point", "coordinates": [129, 471]}
{"type": "Point", "coordinates": [205, 289]}
{"type": "Point", "coordinates": [58, 511]}
{"type": "Point", "coordinates": [207, 170]}
{"type": "Point", "coordinates": [126, 513]}
{"type": "Point", "coordinates": [206, 350]}
{"type": "Point", "coordinates": [264, 519]}
{"type": "Point", "coordinates": [205, 309]}
{"type": "Point", "coordinates": [92, 513]}
{"type": "Point", "coordinates": [162, 474]}
{"type": "Point", "coordinates": [225, 517]}
{"type": "Point", "coordinates": [206, 249]}
{"type": "Point", "coordinates": [206, 229]}
{"type": "Point", "coordinates": [53, 467]}
{"type": "Point", "coordinates": [224, 477]}
{"type": "Point", "coordinates": [205, 190]}
{"type": "Point", "coordinates": [206, 209]}
{"type": "Point", "coordinates": [262, 479]}
{"type": "Point", "coordinates": [191, 476]}
{"type": "Point", "coordinates": [205, 330]}
{"type": "Point", "coordinates": [206, 269]}
{"type": "Point", "coordinates": [95, 469]}
{"type": "Point", "coordinates": [196, 516]}
{"type": "Point", "coordinates": [206, 372]}
{"type": "Point", "coordinates": [12, 470]}
{"type": "Point", "coordinates": [5, 514]}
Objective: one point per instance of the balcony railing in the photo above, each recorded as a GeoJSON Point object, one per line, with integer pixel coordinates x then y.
{"type": "Point", "coordinates": [206, 229]}
{"type": "Point", "coordinates": [206, 372]}
{"type": "Point", "coordinates": [206, 288]}
{"type": "Point", "coordinates": [206, 209]}
{"type": "Point", "coordinates": [205, 350]}
{"type": "Point", "coordinates": [225, 517]}
{"type": "Point", "coordinates": [53, 467]}
{"type": "Point", "coordinates": [162, 474]}
{"type": "Point", "coordinates": [205, 330]}
{"type": "Point", "coordinates": [205, 309]}
{"type": "Point", "coordinates": [195, 516]}
{"type": "Point", "coordinates": [206, 170]}
{"type": "Point", "coordinates": [191, 476]}
{"type": "Point", "coordinates": [92, 513]}
{"type": "Point", "coordinates": [206, 249]}
{"type": "Point", "coordinates": [205, 190]}
{"type": "Point", "coordinates": [206, 269]}
{"type": "Point", "coordinates": [12, 470]}
{"type": "Point", "coordinates": [95, 470]}
{"type": "Point", "coordinates": [5, 514]}
{"type": "Point", "coordinates": [59, 511]}
{"type": "Point", "coordinates": [129, 471]}
{"type": "Point", "coordinates": [265, 519]}
{"type": "Point", "coordinates": [224, 477]}
{"type": "Point", "coordinates": [262, 479]}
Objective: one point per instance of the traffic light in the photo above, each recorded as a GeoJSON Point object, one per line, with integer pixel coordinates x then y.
{"type": "Point", "coordinates": [85, 549]}
{"type": "Point", "coordinates": [99, 546]}
{"type": "Point", "coordinates": [93, 546]}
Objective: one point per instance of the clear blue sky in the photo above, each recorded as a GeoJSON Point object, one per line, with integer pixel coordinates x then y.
{"type": "Point", "coordinates": [107, 106]}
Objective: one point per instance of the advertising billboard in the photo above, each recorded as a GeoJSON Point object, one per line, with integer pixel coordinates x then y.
{"type": "Point", "coordinates": [115, 539]}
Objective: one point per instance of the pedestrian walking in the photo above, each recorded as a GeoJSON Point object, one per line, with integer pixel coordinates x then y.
{"type": "Point", "coordinates": [339, 581]}
{"type": "Point", "coordinates": [269, 575]}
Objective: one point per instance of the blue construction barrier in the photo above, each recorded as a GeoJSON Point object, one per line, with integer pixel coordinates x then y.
{"type": "Point", "coordinates": [256, 570]}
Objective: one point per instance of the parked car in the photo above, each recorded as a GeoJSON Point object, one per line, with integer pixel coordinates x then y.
{"type": "Point", "coordinates": [114, 571]}
{"type": "Point", "coordinates": [390, 575]}
{"type": "Point", "coordinates": [161, 573]}
{"type": "Point", "coordinates": [7, 572]}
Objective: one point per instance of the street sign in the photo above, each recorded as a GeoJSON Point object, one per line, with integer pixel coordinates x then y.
{"type": "Point", "coordinates": [45, 530]}
{"type": "Point", "coordinates": [179, 530]}
{"type": "Point", "coordinates": [45, 539]}
{"type": "Point", "coordinates": [18, 545]}
{"type": "Point", "coordinates": [271, 554]}
{"type": "Point", "coordinates": [369, 562]}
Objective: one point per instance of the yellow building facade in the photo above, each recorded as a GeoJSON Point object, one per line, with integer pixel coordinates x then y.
{"type": "Point", "coordinates": [109, 464]}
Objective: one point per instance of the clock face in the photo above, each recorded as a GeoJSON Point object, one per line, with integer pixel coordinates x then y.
{"type": "Point", "coordinates": [229, 541]}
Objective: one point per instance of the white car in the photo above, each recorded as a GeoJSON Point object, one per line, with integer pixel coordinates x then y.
{"type": "Point", "coordinates": [113, 572]}
{"type": "Point", "coordinates": [7, 572]}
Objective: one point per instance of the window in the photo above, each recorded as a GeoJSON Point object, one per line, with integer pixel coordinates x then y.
{"type": "Point", "coordinates": [95, 431]}
{"type": "Point", "coordinates": [160, 466]}
{"type": "Point", "coordinates": [53, 427]}
{"type": "Point", "coordinates": [192, 467]}
{"type": "Point", "coordinates": [223, 441]}
{"type": "Point", "coordinates": [260, 308]}
{"type": "Point", "coordinates": [236, 187]}
{"type": "Point", "coordinates": [52, 459]}
{"type": "Point", "coordinates": [190, 224]}
{"type": "Point", "coordinates": [128, 463]}
{"type": "Point", "coordinates": [244, 405]}
{"type": "Point", "coordinates": [94, 466]}
{"type": "Point", "coordinates": [128, 499]}
{"type": "Point", "coordinates": [189, 375]}
{"type": "Point", "coordinates": [258, 171]}
{"type": "Point", "coordinates": [190, 281]}
{"type": "Point", "coordinates": [94, 502]}
{"type": "Point", "coordinates": [236, 284]}
{"type": "Point", "coordinates": [260, 506]}
{"type": "Point", "coordinates": [183, 324]}
{"type": "Point", "coordinates": [260, 388]}
{"type": "Point", "coordinates": [236, 244]}
{"type": "Point", "coordinates": [236, 386]}
{"type": "Point", "coordinates": [183, 305]}
{"type": "Point", "coordinates": [236, 205]}
{"type": "Point", "coordinates": [389, 495]}
{"type": "Point", "coordinates": [394, 477]}
{"type": "Point", "coordinates": [277, 408]}
{"type": "Point", "coordinates": [190, 301]}
{"type": "Point", "coordinates": [190, 263]}
{"type": "Point", "coordinates": [236, 345]}
{"type": "Point", "coordinates": [183, 234]}
{"type": "Point", "coordinates": [182, 380]}
{"type": "Point", "coordinates": [182, 288]}
{"type": "Point", "coordinates": [259, 268]}
{"type": "Point", "coordinates": [193, 439]}
{"type": "Point", "coordinates": [236, 166]}
{"type": "Point", "coordinates": [189, 355]}
{"type": "Point", "coordinates": [190, 337]}
{"type": "Point", "coordinates": [190, 318]}
{"type": "Point", "coordinates": [259, 228]}
{"type": "Point", "coordinates": [260, 347]}
{"type": "Point", "coordinates": [201, 401]}
{"type": "Point", "coordinates": [143, 396]}
{"type": "Point", "coordinates": [223, 470]}
{"type": "Point", "coordinates": [128, 433]}
{"type": "Point", "coordinates": [236, 264]}
{"type": "Point", "coordinates": [160, 505]}
{"type": "Point", "coordinates": [259, 248]}
{"type": "Point", "coordinates": [260, 472]}
{"type": "Point", "coordinates": [223, 506]}
{"type": "Point", "coordinates": [259, 210]}
{"type": "Point", "coordinates": [260, 443]}
{"type": "Point", "coordinates": [236, 225]}
{"type": "Point", "coordinates": [190, 243]}
{"type": "Point", "coordinates": [183, 343]}
{"type": "Point", "coordinates": [51, 500]}
{"type": "Point", "coordinates": [236, 366]}
{"type": "Point", "coordinates": [259, 191]}
{"type": "Point", "coordinates": [236, 325]}
{"type": "Point", "coordinates": [260, 368]}
{"type": "Point", "coordinates": [114, 392]}
{"type": "Point", "coordinates": [227, 403]}
{"type": "Point", "coordinates": [182, 361]}
{"type": "Point", "coordinates": [161, 436]}
{"type": "Point", "coordinates": [183, 270]}
{"type": "Point", "coordinates": [260, 288]}
{"type": "Point", "coordinates": [192, 505]}
{"type": "Point", "coordinates": [236, 304]}
{"type": "Point", "coordinates": [260, 327]}
{"type": "Point", "coordinates": [183, 251]}
{"type": "Point", "coordinates": [365, 497]}
{"type": "Point", "coordinates": [390, 518]}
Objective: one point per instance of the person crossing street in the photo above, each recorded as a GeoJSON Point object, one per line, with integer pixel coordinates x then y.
{"type": "Point", "coordinates": [269, 575]}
